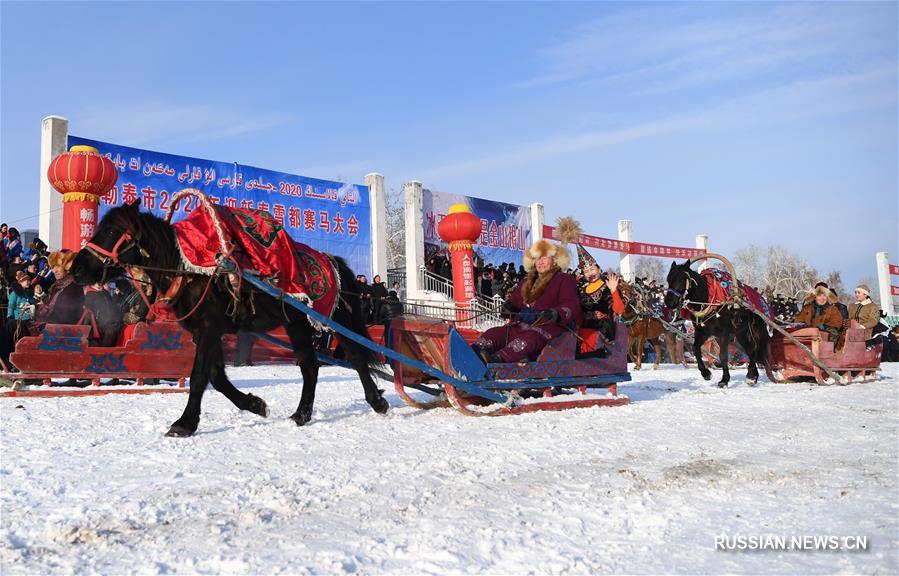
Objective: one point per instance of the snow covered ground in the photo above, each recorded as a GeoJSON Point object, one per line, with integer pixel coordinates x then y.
{"type": "Point", "coordinates": [91, 485]}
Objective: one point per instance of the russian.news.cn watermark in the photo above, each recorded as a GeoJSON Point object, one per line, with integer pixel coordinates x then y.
{"type": "Point", "coordinates": [805, 543]}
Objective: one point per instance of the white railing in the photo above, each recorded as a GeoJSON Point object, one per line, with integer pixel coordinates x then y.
{"type": "Point", "coordinates": [485, 312]}
{"type": "Point", "coordinates": [434, 283]}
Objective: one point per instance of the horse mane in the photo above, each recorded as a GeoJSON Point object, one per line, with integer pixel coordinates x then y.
{"type": "Point", "coordinates": [153, 234]}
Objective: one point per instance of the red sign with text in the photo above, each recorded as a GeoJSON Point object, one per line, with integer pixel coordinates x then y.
{"type": "Point", "coordinates": [638, 248]}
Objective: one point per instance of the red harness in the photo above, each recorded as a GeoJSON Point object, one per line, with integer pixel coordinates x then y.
{"type": "Point", "coordinates": [111, 257]}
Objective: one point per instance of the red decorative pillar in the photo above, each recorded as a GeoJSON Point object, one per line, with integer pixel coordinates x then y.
{"type": "Point", "coordinates": [459, 229]}
{"type": "Point", "coordinates": [81, 175]}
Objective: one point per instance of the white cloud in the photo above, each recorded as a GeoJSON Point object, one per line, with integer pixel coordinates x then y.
{"type": "Point", "coordinates": [823, 96]}
{"type": "Point", "coordinates": [144, 123]}
{"type": "Point", "coordinates": [664, 49]}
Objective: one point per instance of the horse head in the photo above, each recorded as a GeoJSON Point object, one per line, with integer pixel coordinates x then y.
{"type": "Point", "coordinates": [680, 280]}
{"type": "Point", "coordinates": [114, 246]}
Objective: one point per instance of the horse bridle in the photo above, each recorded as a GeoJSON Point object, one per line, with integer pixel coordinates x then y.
{"type": "Point", "coordinates": [681, 296]}
{"type": "Point", "coordinates": [111, 257]}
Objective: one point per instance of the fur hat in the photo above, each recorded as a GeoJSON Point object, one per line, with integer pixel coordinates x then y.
{"type": "Point", "coordinates": [864, 288]}
{"type": "Point", "coordinates": [831, 298]}
{"type": "Point", "coordinates": [542, 248]}
{"type": "Point", "coordinates": [63, 259]}
{"type": "Point", "coordinates": [22, 275]}
{"type": "Point", "coordinates": [568, 230]}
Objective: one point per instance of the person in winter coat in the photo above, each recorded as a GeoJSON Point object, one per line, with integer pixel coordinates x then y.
{"type": "Point", "coordinates": [20, 311]}
{"type": "Point", "coordinates": [891, 346]}
{"type": "Point", "coordinates": [390, 309]}
{"type": "Point", "coordinates": [21, 301]}
{"type": "Point", "coordinates": [820, 312]}
{"type": "Point", "coordinates": [544, 304]}
{"type": "Point", "coordinates": [378, 293]}
{"type": "Point", "coordinates": [103, 314]}
{"type": "Point", "coordinates": [864, 310]}
{"type": "Point", "coordinates": [14, 246]}
{"type": "Point", "coordinates": [65, 298]}
{"type": "Point", "coordinates": [600, 298]}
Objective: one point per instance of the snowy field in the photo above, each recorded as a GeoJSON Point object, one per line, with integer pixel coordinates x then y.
{"type": "Point", "coordinates": [90, 485]}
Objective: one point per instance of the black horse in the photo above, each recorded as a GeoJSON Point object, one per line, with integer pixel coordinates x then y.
{"type": "Point", "coordinates": [126, 237]}
{"type": "Point", "coordinates": [684, 284]}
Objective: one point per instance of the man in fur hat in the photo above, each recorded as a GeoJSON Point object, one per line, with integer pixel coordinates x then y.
{"type": "Point", "coordinates": [819, 311]}
{"type": "Point", "coordinates": [544, 304]}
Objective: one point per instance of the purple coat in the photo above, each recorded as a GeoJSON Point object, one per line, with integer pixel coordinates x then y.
{"type": "Point", "coordinates": [561, 295]}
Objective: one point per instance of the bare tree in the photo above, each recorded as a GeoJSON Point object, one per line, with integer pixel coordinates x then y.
{"type": "Point", "coordinates": [749, 264]}
{"type": "Point", "coordinates": [787, 273]}
{"type": "Point", "coordinates": [396, 228]}
{"type": "Point", "coordinates": [651, 268]}
{"type": "Point", "coordinates": [835, 282]}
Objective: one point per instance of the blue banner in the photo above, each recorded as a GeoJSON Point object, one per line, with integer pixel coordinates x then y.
{"type": "Point", "coordinates": [332, 217]}
{"type": "Point", "coordinates": [505, 228]}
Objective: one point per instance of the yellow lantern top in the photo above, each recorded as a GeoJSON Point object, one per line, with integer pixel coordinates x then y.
{"type": "Point", "coordinates": [459, 208]}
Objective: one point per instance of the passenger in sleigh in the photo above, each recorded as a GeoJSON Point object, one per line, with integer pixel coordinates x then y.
{"type": "Point", "coordinates": [820, 311]}
{"type": "Point", "coordinates": [601, 301]}
{"type": "Point", "coordinates": [64, 303]}
{"type": "Point", "coordinates": [543, 305]}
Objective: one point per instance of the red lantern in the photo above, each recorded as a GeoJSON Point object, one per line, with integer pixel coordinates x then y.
{"type": "Point", "coordinates": [460, 228]}
{"type": "Point", "coordinates": [81, 175]}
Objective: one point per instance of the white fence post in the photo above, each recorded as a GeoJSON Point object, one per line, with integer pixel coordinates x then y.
{"type": "Point", "coordinates": [884, 282]}
{"type": "Point", "coordinates": [415, 237]}
{"type": "Point", "coordinates": [627, 263]}
{"type": "Point", "coordinates": [536, 210]}
{"type": "Point", "coordinates": [54, 141]}
{"type": "Point", "coordinates": [378, 195]}
{"type": "Point", "coordinates": [702, 243]}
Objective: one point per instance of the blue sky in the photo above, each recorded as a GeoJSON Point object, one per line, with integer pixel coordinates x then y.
{"type": "Point", "coordinates": [751, 122]}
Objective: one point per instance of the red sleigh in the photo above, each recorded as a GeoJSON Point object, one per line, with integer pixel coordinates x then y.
{"type": "Point", "coordinates": [556, 380]}
{"type": "Point", "coordinates": [855, 360]}
{"type": "Point", "coordinates": [161, 350]}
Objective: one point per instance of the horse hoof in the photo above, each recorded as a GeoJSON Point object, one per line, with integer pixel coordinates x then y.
{"type": "Point", "coordinates": [636, 367]}
{"type": "Point", "coordinates": [257, 405]}
{"type": "Point", "coordinates": [707, 376]}
{"type": "Point", "coordinates": [722, 384]}
{"type": "Point", "coordinates": [752, 381]}
{"type": "Point", "coordinates": [656, 367]}
{"type": "Point", "coordinates": [179, 431]}
{"type": "Point", "coordinates": [301, 418]}
{"type": "Point", "coordinates": [380, 405]}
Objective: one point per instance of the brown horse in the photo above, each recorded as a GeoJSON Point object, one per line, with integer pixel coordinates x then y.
{"type": "Point", "coordinates": [642, 327]}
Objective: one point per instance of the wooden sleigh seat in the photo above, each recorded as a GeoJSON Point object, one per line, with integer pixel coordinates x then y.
{"type": "Point", "coordinates": [855, 360]}
{"type": "Point", "coordinates": [161, 350]}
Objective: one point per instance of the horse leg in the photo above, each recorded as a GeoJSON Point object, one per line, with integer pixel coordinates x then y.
{"type": "Point", "coordinates": [723, 352]}
{"type": "Point", "coordinates": [300, 334]}
{"type": "Point", "coordinates": [752, 371]}
{"type": "Point", "coordinates": [361, 358]}
{"type": "Point", "coordinates": [187, 424]}
{"type": "Point", "coordinates": [699, 339]}
{"type": "Point", "coordinates": [640, 343]}
{"type": "Point", "coordinates": [220, 382]}
{"type": "Point", "coordinates": [657, 344]}
{"type": "Point", "coordinates": [373, 394]}
{"type": "Point", "coordinates": [681, 347]}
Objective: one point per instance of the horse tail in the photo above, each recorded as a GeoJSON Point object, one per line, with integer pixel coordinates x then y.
{"type": "Point", "coordinates": [349, 313]}
{"type": "Point", "coordinates": [758, 335]}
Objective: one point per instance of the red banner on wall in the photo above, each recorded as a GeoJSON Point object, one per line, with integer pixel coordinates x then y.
{"type": "Point", "coordinates": [894, 270]}
{"type": "Point", "coordinates": [639, 248]}
{"type": "Point", "coordinates": [894, 290]}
